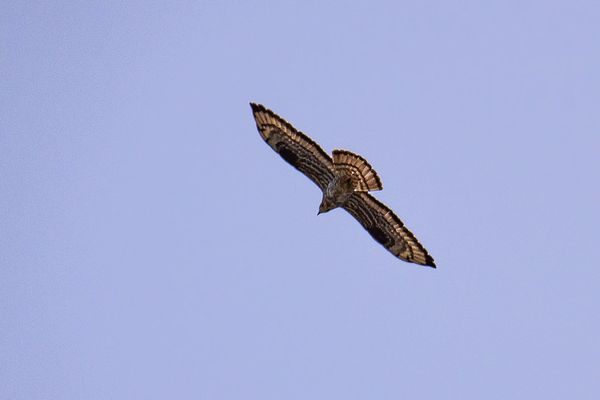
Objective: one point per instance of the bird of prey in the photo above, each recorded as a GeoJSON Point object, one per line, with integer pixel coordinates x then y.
{"type": "Point", "coordinates": [346, 180]}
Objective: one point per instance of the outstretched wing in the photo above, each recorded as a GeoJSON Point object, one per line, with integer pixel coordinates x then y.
{"type": "Point", "coordinates": [293, 146]}
{"type": "Point", "coordinates": [387, 229]}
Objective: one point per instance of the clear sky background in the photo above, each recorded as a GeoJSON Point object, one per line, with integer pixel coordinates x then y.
{"type": "Point", "coordinates": [152, 246]}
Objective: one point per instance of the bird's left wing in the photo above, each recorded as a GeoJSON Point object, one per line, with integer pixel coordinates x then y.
{"type": "Point", "coordinates": [386, 228]}
{"type": "Point", "coordinates": [293, 146]}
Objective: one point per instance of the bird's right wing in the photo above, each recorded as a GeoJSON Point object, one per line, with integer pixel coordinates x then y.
{"type": "Point", "coordinates": [386, 228]}
{"type": "Point", "coordinates": [293, 146]}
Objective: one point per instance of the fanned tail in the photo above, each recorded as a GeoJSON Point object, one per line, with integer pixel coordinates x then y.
{"type": "Point", "coordinates": [364, 177]}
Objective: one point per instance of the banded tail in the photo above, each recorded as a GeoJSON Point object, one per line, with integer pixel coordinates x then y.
{"type": "Point", "coordinates": [364, 177]}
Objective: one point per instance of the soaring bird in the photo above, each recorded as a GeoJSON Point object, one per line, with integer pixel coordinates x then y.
{"type": "Point", "coordinates": [345, 180]}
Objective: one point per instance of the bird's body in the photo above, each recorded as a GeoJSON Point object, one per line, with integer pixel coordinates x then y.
{"type": "Point", "coordinates": [345, 180]}
{"type": "Point", "coordinates": [337, 193]}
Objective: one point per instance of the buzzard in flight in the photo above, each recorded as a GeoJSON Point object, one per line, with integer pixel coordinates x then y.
{"type": "Point", "coordinates": [346, 180]}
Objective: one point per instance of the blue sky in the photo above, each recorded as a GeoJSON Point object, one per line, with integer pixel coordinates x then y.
{"type": "Point", "coordinates": [154, 247]}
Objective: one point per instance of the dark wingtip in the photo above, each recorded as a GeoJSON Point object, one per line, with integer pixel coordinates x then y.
{"type": "Point", "coordinates": [430, 262]}
{"type": "Point", "coordinates": [256, 107]}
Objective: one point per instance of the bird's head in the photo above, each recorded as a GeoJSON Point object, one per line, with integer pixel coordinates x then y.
{"type": "Point", "coordinates": [326, 205]}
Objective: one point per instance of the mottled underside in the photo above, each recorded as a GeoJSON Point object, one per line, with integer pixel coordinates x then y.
{"type": "Point", "coordinates": [307, 156]}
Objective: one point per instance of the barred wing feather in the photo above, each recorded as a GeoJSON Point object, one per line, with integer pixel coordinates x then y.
{"type": "Point", "coordinates": [293, 146]}
{"type": "Point", "coordinates": [386, 228]}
